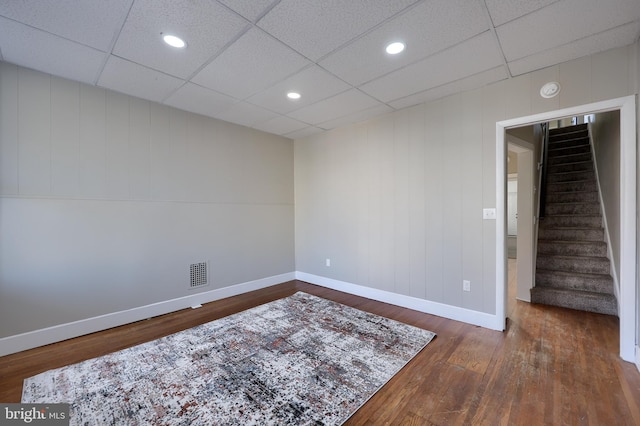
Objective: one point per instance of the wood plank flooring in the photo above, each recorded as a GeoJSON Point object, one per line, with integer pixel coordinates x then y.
{"type": "Point", "coordinates": [552, 366]}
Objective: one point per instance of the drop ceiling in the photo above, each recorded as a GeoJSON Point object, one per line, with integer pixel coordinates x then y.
{"type": "Point", "coordinates": [243, 56]}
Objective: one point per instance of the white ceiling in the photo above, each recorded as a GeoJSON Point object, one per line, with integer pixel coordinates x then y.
{"type": "Point", "coordinates": [243, 56]}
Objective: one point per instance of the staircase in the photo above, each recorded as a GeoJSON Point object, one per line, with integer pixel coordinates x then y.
{"type": "Point", "coordinates": [572, 268]}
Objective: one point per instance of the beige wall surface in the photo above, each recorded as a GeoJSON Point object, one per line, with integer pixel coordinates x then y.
{"type": "Point", "coordinates": [396, 203]}
{"type": "Point", "coordinates": [105, 201]}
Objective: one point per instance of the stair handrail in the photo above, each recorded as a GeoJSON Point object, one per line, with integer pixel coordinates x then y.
{"type": "Point", "coordinates": [542, 166]}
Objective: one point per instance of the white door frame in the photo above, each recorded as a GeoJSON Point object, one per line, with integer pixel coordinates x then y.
{"type": "Point", "coordinates": [526, 236]}
{"type": "Point", "coordinates": [627, 301]}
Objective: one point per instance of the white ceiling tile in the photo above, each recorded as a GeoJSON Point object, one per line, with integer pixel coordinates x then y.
{"type": "Point", "coordinates": [469, 83]}
{"type": "Point", "coordinates": [426, 29]}
{"type": "Point", "coordinates": [315, 28]}
{"type": "Point", "coordinates": [49, 53]}
{"type": "Point", "coordinates": [281, 125]}
{"type": "Point", "coordinates": [562, 23]}
{"type": "Point", "coordinates": [94, 23]}
{"type": "Point", "coordinates": [620, 36]}
{"type": "Point", "coordinates": [356, 117]}
{"type": "Point", "coordinates": [206, 28]}
{"type": "Point", "coordinates": [313, 83]}
{"type": "Point", "coordinates": [465, 59]}
{"type": "Point", "coordinates": [200, 100]}
{"type": "Point", "coordinates": [303, 133]}
{"type": "Point", "coordinates": [246, 114]}
{"type": "Point", "coordinates": [250, 9]}
{"type": "Point", "coordinates": [334, 107]}
{"type": "Point", "coordinates": [251, 64]}
{"type": "Point", "coordinates": [504, 11]}
{"type": "Point", "coordinates": [133, 79]}
{"type": "Point", "coordinates": [249, 53]}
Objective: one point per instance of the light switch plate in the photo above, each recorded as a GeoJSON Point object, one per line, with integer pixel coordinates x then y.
{"type": "Point", "coordinates": [489, 214]}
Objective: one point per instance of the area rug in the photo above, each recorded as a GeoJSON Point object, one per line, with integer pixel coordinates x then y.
{"type": "Point", "coordinates": [300, 360]}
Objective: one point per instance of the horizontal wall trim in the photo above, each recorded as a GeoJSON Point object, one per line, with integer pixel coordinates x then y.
{"type": "Point", "coordinates": [141, 200]}
{"type": "Point", "coordinates": [434, 308]}
{"type": "Point", "coordinates": [57, 333]}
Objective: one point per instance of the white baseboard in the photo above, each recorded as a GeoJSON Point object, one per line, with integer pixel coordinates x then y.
{"type": "Point", "coordinates": [57, 333]}
{"type": "Point", "coordinates": [638, 357]}
{"type": "Point", "coordinates": [434, 308]}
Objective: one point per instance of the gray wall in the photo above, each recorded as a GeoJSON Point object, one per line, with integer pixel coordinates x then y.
{"type": "Point", "coordinates": [396, 202]}
{"type": "Point", "coordinates": [105, 201]}
{"type": "Point", "coordinates": [606, 144]}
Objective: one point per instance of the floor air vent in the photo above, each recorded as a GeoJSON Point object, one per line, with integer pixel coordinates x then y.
{"type": "Point", "coordinates": [198, 274]}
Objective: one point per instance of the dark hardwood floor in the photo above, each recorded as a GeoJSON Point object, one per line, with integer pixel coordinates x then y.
{"type": "Point", "coordinates": [551, 366]}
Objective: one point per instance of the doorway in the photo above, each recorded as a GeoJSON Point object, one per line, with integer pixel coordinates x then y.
{"type": "Point", "coordinates": [627, 220]}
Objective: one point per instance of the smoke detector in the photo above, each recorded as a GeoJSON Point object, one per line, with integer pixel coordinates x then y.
{"type": "Point", "coordinates": [549, 90]}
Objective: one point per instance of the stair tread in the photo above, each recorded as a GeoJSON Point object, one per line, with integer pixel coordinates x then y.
{"type": "Point", "coordinates": [574, 203]}
{"type": "Point", "coordinates": [574, 181]}
{"type": "Point", "coordinates": [574, 192]}
{"type": "Point", "coordinates": [583, 163]}
{"type": "Point", "coordinates": [574, 291]}
{"type": "Point", "coordinates": [569, 228]}
{"type": "Point", "coordinates": [572, 214]}
{"type": "Point", "coordinates": [556, 157]}
{"type": "Point", "coordinates": [571, 242]}
{"type": "Point", "coordinates": [572, 171]}
{"type": "Point", "coordinates": [574, 257]}
{"type": "Point", "coordinates": [564, 141]}
{"type": "Point", "coordinates": [577, 274]}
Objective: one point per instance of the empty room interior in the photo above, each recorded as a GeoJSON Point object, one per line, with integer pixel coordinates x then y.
{"type": "Point", "coordinates": [479, 182]}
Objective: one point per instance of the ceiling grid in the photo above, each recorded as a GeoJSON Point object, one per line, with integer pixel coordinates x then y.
{"type": "Point", "coordinates": [243, 56]}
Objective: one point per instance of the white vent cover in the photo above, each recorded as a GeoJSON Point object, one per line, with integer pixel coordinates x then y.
{"type": "Point", "coordinates": [198, 274]}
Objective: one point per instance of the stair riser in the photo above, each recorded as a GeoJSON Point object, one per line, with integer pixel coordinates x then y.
{"type": "Point", "coordinates": [589, 186]}
{"type": "Point", "coordinates": [572, 208]}
{"type": "Point", "coordinates": [594, 248]}
{"type": "Point", "coordinates": [588, 265]}
{"type": "Point", "coordinates": [560, 234]}
{"type": "Point", "coordinates": [582, 149]}
{"type": "Point", "coordinates": [568, 143]}
{"type": "Point", "coordinates": [583, 166]}
{"type": "Point", "coordinates": [595, 283]}
{"type": "Point", "coordinates": [576, 158]}
{"type": "Point", "coordinates": [550, 221]}
{"type": "Point", "coordinates": [604, 304]}
{"type": "Point", "coordinates": [571, 176]}
{"type": "Point", "coordinates": [572, 134]}
{"type": "Point", "coordinates": [572, 197]}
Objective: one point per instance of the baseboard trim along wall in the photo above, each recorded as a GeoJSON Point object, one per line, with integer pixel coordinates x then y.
{"type": "Point", "coordinates": [638, 357]}
{"type": "Point", "coordinates": [57, 333]}
{"type": "Point", "coordinates": [434, 308]}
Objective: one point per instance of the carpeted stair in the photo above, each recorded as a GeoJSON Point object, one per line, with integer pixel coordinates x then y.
{"type": "Point", "coordinates": [572, 268]}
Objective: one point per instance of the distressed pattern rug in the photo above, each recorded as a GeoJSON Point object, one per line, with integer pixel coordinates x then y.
{"type": "Point", "coordinates": [300, 360]}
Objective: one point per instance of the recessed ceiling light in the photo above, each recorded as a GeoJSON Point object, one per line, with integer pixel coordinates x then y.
{"type": "Point", "coordinates": [293, 95]}
{"type": "Point", "coordinates": [395, 48]}
{"type": "Point", "coordinates": [173, 41]}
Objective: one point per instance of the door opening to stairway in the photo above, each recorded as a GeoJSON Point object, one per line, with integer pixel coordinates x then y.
{"type": "Point", "coordinates": [582, 239]}
{"type": "Point", "coordinates": [575, 261]}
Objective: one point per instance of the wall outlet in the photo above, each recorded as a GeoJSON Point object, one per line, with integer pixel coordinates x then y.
{"type": "Point", "coordinates": [466, 285]}
{"type": "Point", "coordinates": [327, 262]}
